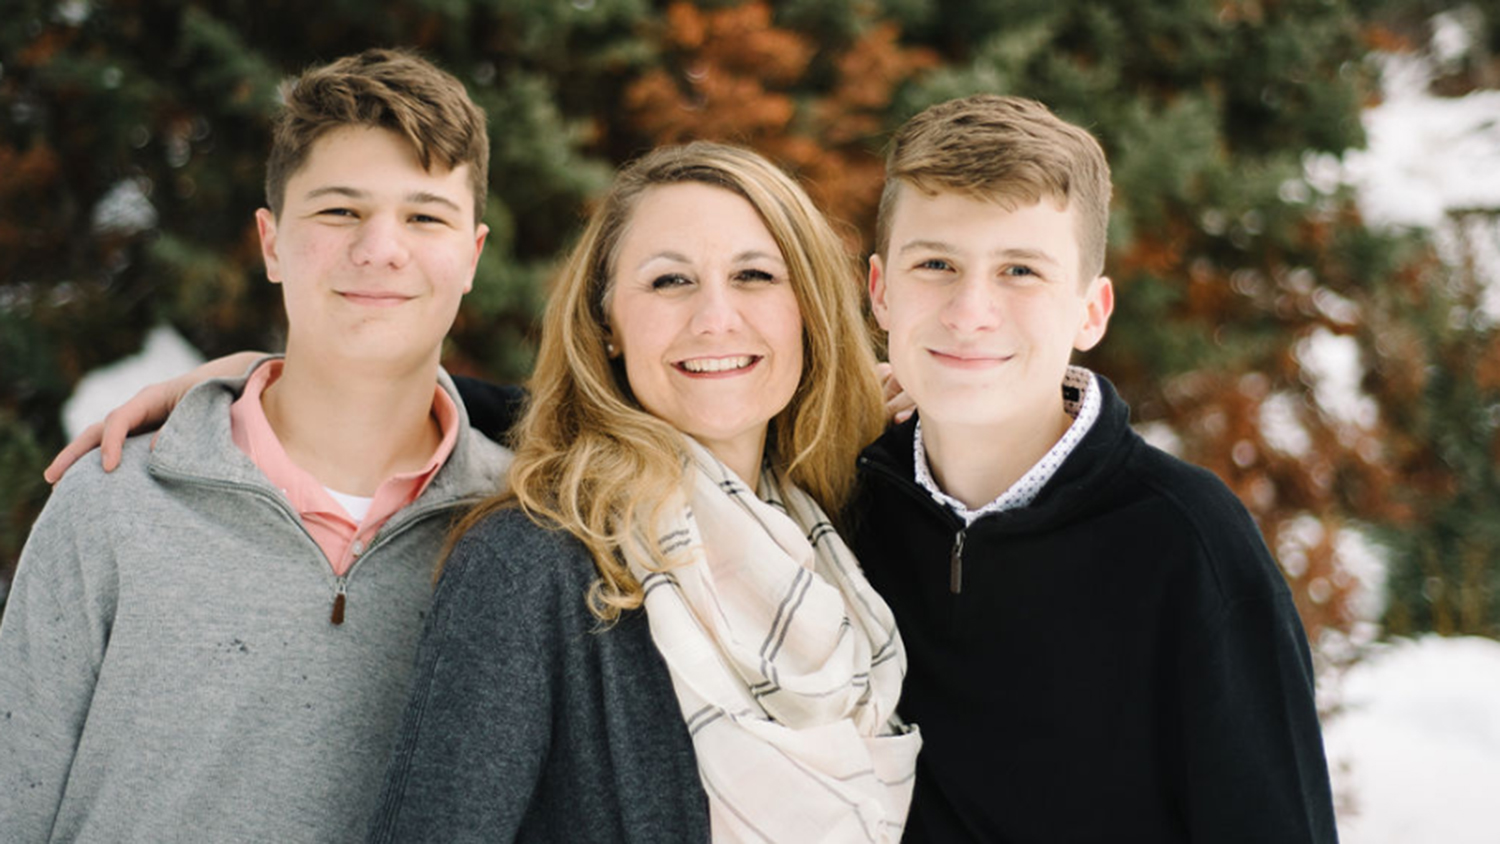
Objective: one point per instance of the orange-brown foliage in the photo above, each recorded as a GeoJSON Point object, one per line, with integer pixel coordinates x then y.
{"type": "Point", "coordinates": [732, 75]}
{"type": "Point", "coordinates": [1487, 372]}
{"type": "Point", "coordinates": [24, 178]}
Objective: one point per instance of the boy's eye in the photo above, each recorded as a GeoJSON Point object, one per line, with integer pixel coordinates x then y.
{"type": "Point", "coordinates": [427, 218]}
{"type": "Point", "coordinates": [1020, 271]}
{"type": "Point", "coordinates": [934, 264]}
{"type": "Point", "coordinates": [337, 212]}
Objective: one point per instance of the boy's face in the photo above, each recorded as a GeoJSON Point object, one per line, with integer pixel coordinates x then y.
{"type": "Point", "coordinates": [983, 308]}
{"type": "Point", "coordinates": [373, 252]}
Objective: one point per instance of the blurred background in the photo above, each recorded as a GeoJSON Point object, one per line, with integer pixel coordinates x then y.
{"type": "Point", "coordinates": [1305, 247]}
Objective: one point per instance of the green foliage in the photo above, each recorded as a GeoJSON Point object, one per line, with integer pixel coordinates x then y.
{"type": "Point", "coordinates": [1444, 575]}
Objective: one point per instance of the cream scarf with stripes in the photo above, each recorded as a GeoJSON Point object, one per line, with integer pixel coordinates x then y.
{"type": "Point", "coordinates": [786, 663]}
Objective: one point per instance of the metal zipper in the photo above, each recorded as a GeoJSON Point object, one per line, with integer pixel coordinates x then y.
{"type": "Point", "coordinates": [385, 534]}
{"type": "Point", "coordinates": [956, 563]}
{"type": "Point", "coordinates": [337, 617]}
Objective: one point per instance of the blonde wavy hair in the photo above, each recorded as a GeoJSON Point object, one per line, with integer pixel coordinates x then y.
{"type": "Point", "coordinates": [590, 461]}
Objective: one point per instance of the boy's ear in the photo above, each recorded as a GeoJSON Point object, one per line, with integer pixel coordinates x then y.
{"type": "Point", "coordinates": [481, 233]}
{"type": "Point", "coordinates": [877, 291]}
{"type": "Point", "coordinates": [1099, 303]}
{"type": "Point", "coordinates": [265, 223]}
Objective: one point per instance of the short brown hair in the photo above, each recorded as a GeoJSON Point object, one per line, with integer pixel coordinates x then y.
{"type": "Point", "coordinates": [388, 89]}
{"type": "Point", "coordinates": [590, 460]}
{"type": "Point", "coordinates": [1009, 150]}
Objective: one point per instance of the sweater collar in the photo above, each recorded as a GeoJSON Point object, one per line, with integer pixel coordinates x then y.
{"type": "Point", "coordinates": [1080, 401]}
{"type": "Point", "coordinates": [1098, 454]}
{"type": "Point", "coordinates": [196, 443]}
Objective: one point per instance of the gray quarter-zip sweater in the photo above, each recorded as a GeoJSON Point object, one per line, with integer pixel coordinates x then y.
{"type": "Point", "coordinates": [168, 668]}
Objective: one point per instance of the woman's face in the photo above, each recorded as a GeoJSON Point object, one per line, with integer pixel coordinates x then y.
{"type": "Point", "coordinates": [702, 310]}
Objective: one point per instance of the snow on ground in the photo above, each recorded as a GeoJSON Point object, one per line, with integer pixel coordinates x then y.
{"type": "Point", "coordinates": [1415, 753]}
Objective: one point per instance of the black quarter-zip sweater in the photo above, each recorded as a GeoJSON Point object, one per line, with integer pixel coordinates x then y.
{"type": "Point", "coordinates": [1120, 661]}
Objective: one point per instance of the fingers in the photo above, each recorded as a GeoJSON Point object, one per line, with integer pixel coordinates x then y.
{"type": "Point", "coordinates": [145, 410]}
{"type": "Point", "coordinates": [898, 405]}
{"type": "Point", "coordinates": [86, 441]}
{"type": "Point", "coordinates": [900, 408]}
{"type": "Point", "coordinates": [140, 413]}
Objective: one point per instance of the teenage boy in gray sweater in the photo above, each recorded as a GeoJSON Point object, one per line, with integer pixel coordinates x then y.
{"type": "Point", "coordinates": [213, 643]}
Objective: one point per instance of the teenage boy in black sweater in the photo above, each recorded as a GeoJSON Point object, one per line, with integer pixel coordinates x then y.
{"type": "Point", "coordinates": [1101, 647]}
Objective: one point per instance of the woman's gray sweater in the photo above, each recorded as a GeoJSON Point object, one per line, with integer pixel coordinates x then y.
{"type": "Point", "coordinates": [529, 720]}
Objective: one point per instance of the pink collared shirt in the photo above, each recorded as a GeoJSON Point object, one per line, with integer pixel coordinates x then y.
{"type": "Point", "coordinates": [341, 538]}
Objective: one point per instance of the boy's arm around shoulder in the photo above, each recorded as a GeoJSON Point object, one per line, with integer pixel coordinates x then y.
{"type": "Point", "coordinates": [1253, 765]}
{"type": "Point", "coordinates": [52, 642]}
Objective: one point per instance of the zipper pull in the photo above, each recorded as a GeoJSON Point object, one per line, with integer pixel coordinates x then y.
{"type": "Point", "coordinates": [338, 604]}
{"type": "Point", "coordinates": [956, 565]}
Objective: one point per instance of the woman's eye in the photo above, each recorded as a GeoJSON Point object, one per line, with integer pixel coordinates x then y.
{"type": "Point", "coordinates": [754, 275]}
{"type": "Point", "coordinates": [669, 281]}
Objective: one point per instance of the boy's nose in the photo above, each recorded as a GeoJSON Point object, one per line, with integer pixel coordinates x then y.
{"type": "Point", "coordinates": [381, 242]}
{"type": "Point", "coordinates": [972, 306]}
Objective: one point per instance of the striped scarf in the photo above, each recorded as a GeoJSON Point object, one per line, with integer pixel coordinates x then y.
{"type": "Point", "coordinates": [786, 664]}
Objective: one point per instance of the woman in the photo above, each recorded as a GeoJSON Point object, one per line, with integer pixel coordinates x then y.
{"type": "Point", "coordinates": [703, 386]}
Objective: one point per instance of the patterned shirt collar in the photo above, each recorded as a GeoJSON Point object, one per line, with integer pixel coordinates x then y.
{"type": "Point", "coordinates": [1081, 400]}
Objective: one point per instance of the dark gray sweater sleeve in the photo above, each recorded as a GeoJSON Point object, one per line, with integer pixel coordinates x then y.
{"type": "Point", "coordinates": [529, 721]}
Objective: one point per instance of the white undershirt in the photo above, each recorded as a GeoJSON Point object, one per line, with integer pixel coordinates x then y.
{"type": "Point", "coordinates": [355, 505]}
